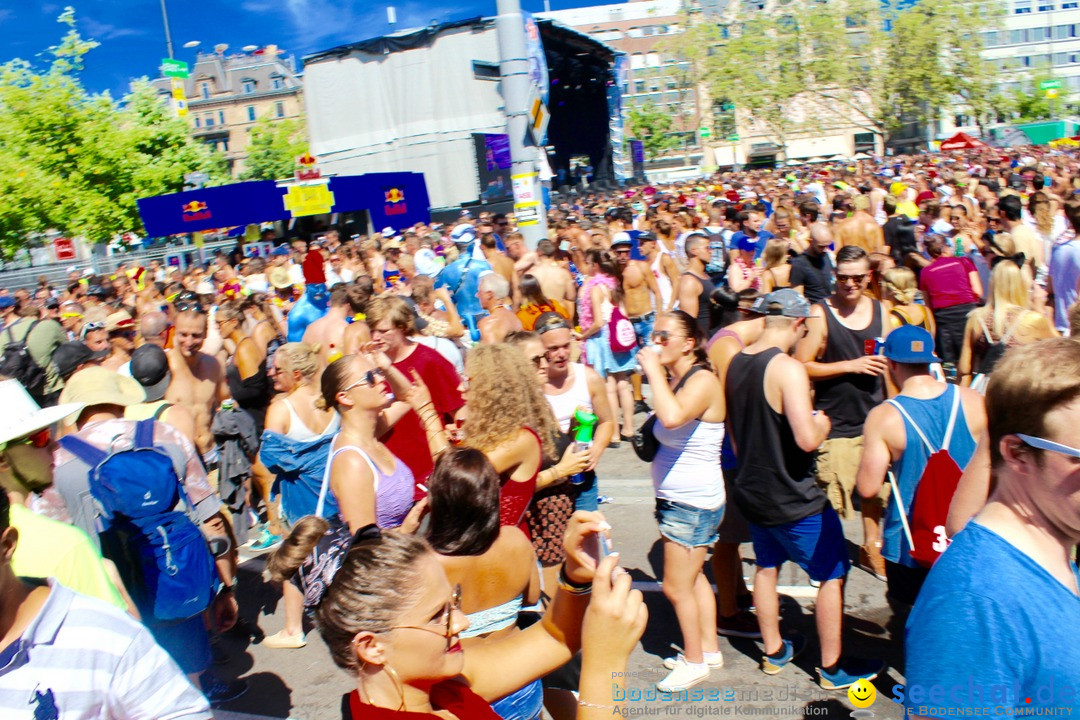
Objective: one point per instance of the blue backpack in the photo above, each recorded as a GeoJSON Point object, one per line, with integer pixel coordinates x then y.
{"type": "Point", "coordinates": [161, 555]}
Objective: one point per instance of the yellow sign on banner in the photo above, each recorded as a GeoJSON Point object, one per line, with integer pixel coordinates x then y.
{"type": "Point", "coordinates": [303, 200]}
{"type": "Point", "coordinates": [197, 239]}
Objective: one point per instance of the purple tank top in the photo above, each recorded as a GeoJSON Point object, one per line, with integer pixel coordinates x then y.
{"type": "Point", "coordinates": [393, 492]}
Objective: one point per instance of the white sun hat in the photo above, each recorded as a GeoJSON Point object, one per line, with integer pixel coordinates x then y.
{"type": "Point", "coordinates": [22, 416]}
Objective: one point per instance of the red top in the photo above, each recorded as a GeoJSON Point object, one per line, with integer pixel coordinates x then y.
{"type": "Point", "coordinates": [514, 497]}
{"type": "Point", "coordinates": [407, 439]}
{"type": "Point", "coordinates": [945, 282]}
{"type": "Point", "coordinates": [448, 695]}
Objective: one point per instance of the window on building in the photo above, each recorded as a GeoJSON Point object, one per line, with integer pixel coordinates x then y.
{"type": "Point", "coordinates": [208, 120]}
{"type": "Point", "coordinates": [247, 86]}
{"type": "Point", "coordinates": [204, 90]}
{"type": "Point", "coordinates": [198, 121]}
{"type": "Point", "coordinates": [251, 113]}
{"type": "Point", "coordinates": [279, 109]}
{"type": "Point", "coordinates": [1040, 34]}
{"type": "Point", "coordinates": [1061, 58]}
{"type": "Point", "coordinates": [277, 82]}
{"type": "Point", "coordinates": [639, 86]}
{"type": "Point", "coordinates": [652, 59]}
{"type": "Point", "coordinates": [672, 83]}
{"type": "Point", "coordinates": [221, 116]}
{"type": "Point", "coordinates": [637, 61]}
{"type": "Point", "coordinates": [1045, 6]}
{"type": "Point", "coordinates": [485, 70]}
{"type": "Point", "coordinates": [648, 30]}
{"type": "Point", "coordinates": [1021, 7]}
{"type": "Point", "coordinates": [224, 145]}
{"type": "Point", "coordinates": [1017, 36]}
{"type": "Point", "coordinates": [1069, 5]}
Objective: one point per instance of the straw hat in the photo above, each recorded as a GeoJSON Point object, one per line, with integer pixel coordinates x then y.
{"type": "Point", "coordinates": [100, 386]}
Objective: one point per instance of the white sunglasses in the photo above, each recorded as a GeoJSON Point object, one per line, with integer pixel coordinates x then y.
{"type": "Point", "coordinates": [1041, 444]}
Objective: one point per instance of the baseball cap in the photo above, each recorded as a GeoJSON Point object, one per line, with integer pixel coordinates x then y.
{"type": "Point", "coordinates": [6, 301]}
{"type": "Point", "coordinates": [784, 302]}
{"type": "Point", "coordinates": [623, 239]}
{"type": "Point", "coordinates": [150, 368]}
{"type": "Point", "coordinates": [280, 250]}
{"type": "Point", "coordinates": [911, 345]}
{"type": "Point", "coordinates": [70, 355]}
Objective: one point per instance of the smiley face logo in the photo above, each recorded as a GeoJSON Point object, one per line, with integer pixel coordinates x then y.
{"type": "Point", "coordinates": [862, 694]}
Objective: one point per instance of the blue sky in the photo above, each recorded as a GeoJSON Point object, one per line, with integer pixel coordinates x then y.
{"type": "Point", "coordinates": [133, 39]}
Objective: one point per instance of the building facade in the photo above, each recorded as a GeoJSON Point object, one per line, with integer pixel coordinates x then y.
{"type": "Point", "coordinates": [228, 94]}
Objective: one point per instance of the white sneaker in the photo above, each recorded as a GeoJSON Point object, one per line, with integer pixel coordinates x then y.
{"type": "Point", "coordinates": [714, 664]}
{"type": "Point", "coordinates": [683, 677]}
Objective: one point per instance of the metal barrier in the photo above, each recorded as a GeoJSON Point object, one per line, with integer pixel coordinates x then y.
{"type": "Point", "coordinates": [57, 272]}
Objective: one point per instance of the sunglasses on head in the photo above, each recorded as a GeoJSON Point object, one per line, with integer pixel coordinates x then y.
{"type": "Point", "coordinates": [187, 306]}
{"type": "Point", "coordinates": [91, 326]}
{"type": "Point", "coordinates": [369, 377]}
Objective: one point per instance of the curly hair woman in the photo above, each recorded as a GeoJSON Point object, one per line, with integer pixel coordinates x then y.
{"type": "Point", "coordinates": [510, 421]}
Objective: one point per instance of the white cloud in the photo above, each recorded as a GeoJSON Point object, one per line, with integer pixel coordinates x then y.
{"type": "Point", "coordinates": [100, 31]}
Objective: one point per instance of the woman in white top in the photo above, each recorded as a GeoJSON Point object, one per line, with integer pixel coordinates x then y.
{"type": "Point", "coordinates": [296, 414]}
{"type": "Point", "coordinates": [689, 408]}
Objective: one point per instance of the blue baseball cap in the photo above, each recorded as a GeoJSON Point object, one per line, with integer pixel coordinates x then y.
{"type": "Point", "coordinates": [910, 345]}
{"type": "Point", "coordinates": [784, 302]}
{"type": "Point", "coordinates": [6, 301]}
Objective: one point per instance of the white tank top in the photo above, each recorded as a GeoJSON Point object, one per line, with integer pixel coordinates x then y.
{"type": "Point", "coordinates": [662, 281]}
{"type": "Point", "coordinates": [302, 433]}
{"type": "Point", "coordinates": [564, 404]}
{"type": "Point", "coordinates": [686, 468]}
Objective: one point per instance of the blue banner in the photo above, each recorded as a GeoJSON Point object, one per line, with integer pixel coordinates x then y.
{"type": "Point", "coordinates": [616, 88]}
{"type": "Point", "coordinates": [397, 200]}
{"type": "Point", "coordinates": [538, 69]}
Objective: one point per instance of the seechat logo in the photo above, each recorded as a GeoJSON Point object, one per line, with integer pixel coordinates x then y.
{"type": "Point", "coordinates": [195, 210]}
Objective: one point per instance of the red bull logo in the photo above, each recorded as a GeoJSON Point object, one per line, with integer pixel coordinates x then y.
{"type": "Point", "coordinates": [395, 201]}
{"type": "Point", "coordinates": [195, 210]}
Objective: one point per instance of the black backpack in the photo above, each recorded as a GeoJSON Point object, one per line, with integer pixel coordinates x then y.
{"type": "Point", "coordinates": [18, 364]}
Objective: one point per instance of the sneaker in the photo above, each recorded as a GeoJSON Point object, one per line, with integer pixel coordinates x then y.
{"type": "Point", "coordinates": [254, 535]}
{"type": "Point", "coordinates": [601, 499]}
{"type": "Point", "coordinates": [641, 407]}
{"type": "Point", "coordinates": [218, 691]}
{"type": "Point", "coordinates": [283, 641]}
{"type": "Point", "coordinates": [793, 645]}
{"type": "Point", "coordinates": [871, 560]}
{"type": "Point", "coordinates": [268, 541]}
{"type": "Point", "coordinates": [715, 662]}
{"type": "Point", "coordinates": [741, 624]}
{"type": "Point", "coordinates": [849, 671]}
{"type": "Point", "coordinates": [683, 677]}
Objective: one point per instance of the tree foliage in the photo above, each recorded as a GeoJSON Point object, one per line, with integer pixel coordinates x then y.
{"type": "Point", "coordinates": [805, 66]}
{"type": "Point", "coordinates": [274, 147]}
{"type": "Point", "coordinates": [652, 127]}
{"type": "Point", "coordinates": [76, 162]}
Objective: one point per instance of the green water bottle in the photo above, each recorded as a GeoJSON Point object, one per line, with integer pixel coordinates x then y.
{"type": "Point", "coordinates": [585, 426]}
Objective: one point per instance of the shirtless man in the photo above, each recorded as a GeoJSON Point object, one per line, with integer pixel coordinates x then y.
{"type": "Point", "coordinates": [663, 269]}
{"type": "Point", "coordinates": [328, 332]}
{"type": "Point", "coordinates": [499, 263]}
{"type": "Point", "coordinates": [198, 380]}
{"type": "Point", "coordinates": [860, 229]}
{"type": "Point", "coordinates": [494, 296]}
{"type": "Point", "coordinates": [555, 281]}
{"type": "Point", "coordinates": [641, 295]}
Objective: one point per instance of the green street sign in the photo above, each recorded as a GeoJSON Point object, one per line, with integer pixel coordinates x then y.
{"type": "Point", "coordinates": [1050, 85]}
{"type": "Point", "coordinates": [705, 133]}
{"type": "Point", "coordinates": [174, 68]}
{"type": "Point", "coordinates": [733, 138]}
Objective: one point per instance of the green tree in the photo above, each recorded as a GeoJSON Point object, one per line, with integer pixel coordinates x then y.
{"type": "Point", "coordinates": [274, 147]}
{"type": "Point", "coordinates": [77, 162]}
{"type": "Point", "coordinates": [652, 127]}
{"type": "Point", "coordinates": [1028, 102]}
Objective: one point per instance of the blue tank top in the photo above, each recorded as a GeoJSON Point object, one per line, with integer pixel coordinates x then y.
{"type": "Point", "coordinates": [932, 418]}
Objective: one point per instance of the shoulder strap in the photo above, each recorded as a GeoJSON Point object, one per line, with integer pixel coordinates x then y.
{"type": "Point", "coordinates": [986, 331]}
{"type": "Point", "coordinates": [163, 408]}
{"type": "Point", "coordinates": [326, 473]}
{"type": "Point", "coordinates": [1009, 331]}
{"type": "Point", "coordinates": [952, 417]}
{"type": "Point", "coordinates": [144, 434]}
{"type": "Point", "coordinates": [685, 377]}
{"type": "Point", "coordinates": [904, 412]}
{"type": "Point", "coordinates": [900, 316]}
{"type": "Point", "coordinates": [83, 450]}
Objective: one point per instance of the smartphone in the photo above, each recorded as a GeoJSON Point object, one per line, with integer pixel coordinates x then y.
{"type": "Point", "coordinates": [597, 546]}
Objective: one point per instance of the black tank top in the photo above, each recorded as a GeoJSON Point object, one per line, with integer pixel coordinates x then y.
{"type": "Point", "coordinates": [848, 399]}
{"type": "Point", "coordinates": [774, 478]}
{"type": "Point", "coordinates": [707, 315]}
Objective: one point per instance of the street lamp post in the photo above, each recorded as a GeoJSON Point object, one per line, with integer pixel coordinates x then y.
{"type": "Point", "coordinates": [168, 35]}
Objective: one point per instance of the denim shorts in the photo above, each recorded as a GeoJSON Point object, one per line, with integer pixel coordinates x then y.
{"type": "Point", "coordinates": [526, 703]}
{"type": "Point", "coordinates": [815, 543]}
{"type": "Point", "coordinates": [643, 327]}
{"type": "Point", "coordinates": [688, 525]}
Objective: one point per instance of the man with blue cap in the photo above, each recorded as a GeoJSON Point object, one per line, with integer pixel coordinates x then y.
{"type": "Point", "coordinates": [900, 435]}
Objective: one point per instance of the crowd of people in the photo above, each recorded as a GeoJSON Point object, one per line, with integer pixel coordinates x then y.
{"type": "Point", "coordinates": [410, 424]}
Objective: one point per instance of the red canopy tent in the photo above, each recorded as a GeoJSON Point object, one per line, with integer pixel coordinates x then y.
{"type": "Point", "coordinates": [962, 141]}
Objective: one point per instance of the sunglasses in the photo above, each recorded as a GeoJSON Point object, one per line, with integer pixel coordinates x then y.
{"type": "Point", "coordinates": [91, 326]}
{"type": "Point", "coordinates": [857, 279]}
{"type": "Point", "coordinates": [39, 439]}
{"type": "Point", "coordinates": [438, 625]}
{"type": "Point", "coordinates": [129, 334]}
{"type": "Point", "coordinates": [366, 378]}
{"type": "Point", "coordinates": [1049, 445]}
{"type": "Point", "coordinates": [661, 337]}
{"type": "Point", "coordinates": [190, 307]}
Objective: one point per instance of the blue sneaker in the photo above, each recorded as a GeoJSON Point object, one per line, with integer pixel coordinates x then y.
{"type": "Point", "coordinates": [793, 645]}
{"type": "Point", "coordinates": [849, 671]}
{"type": "Point", "coordinates": [268, 541]}
{"type": "Point", "coordinates": [603, 499]}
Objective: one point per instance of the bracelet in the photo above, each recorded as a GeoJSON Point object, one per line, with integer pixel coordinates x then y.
{"type": "Point", "coordinates": [582, 703]}
{"type": "Point", "coordinates": [572, 587]}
